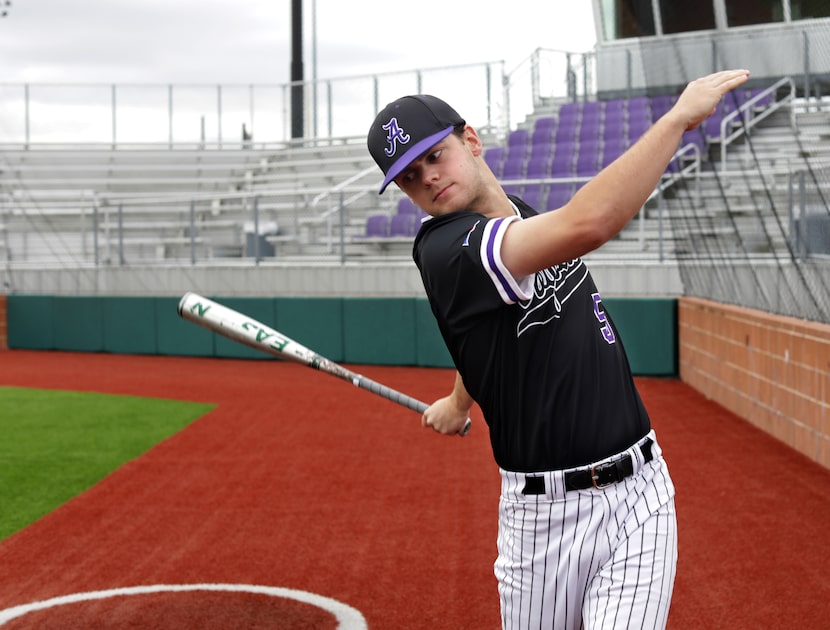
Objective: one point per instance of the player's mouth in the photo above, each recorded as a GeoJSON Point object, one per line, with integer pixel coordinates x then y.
{"type": "Point", "coordinates": [442, 194]}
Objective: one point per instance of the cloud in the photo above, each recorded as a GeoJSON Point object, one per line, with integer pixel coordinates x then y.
{"type": "Point", "coordinates": [249, 41]}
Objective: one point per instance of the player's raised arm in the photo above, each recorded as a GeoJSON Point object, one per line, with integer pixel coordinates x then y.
{"type": "Point", "coordinates": [608, 202]}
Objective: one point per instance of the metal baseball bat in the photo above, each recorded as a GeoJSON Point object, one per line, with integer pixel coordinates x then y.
{"type": "Point", "coordinates": [234, 325]}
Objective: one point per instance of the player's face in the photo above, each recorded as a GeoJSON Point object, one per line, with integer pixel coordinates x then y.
{"type": "Point", "coordinates": [447, 178]}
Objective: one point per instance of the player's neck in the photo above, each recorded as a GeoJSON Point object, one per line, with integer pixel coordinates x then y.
{"type": "Point", "coordinates": [496, 204]}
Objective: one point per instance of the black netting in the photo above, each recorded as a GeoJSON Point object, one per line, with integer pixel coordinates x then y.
{"type": "Point", "coordinates": [750, 224]}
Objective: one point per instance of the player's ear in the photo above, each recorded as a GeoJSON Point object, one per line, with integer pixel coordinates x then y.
{"type": "Point", "coordinates": [473, 141]}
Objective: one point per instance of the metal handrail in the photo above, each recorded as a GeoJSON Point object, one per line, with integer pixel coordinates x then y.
{"type": "Point", "coordinates": [751, 120]}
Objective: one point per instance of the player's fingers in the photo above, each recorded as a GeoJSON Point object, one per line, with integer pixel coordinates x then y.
{"type": "Point", "coordinates": [428, 424]}
{"type": "Point", "coordinates": [723, 82]}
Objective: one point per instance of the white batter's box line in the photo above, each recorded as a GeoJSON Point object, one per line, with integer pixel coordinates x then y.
{"type": "Point", "coordinates": [347, 617]}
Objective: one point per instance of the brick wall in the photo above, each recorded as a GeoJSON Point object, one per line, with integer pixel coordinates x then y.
{"type": "Point", "coordinates": [771, 370]}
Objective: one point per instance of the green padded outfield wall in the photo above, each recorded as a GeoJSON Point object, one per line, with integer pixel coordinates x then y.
{"type": "Point", "coordinates": [648, 328]}
{"type": "Point", "coordinates": [368, 331]}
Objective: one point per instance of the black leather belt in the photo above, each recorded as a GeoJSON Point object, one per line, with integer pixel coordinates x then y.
{"type": "Point", "coordinates": [599, 476]}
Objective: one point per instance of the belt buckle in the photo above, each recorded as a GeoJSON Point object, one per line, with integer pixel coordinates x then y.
{"type": "Point", "coordinates": [601, 475]}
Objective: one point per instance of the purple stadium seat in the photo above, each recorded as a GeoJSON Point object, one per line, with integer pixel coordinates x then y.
{"type": "Point", "coordinates": [538, 166]}
{"type": "Point", "coordinates": [661, 104]}
{"type": "Point", "coordinates": [532, 196]}
{"type": "Point", "coordinates": [673, 166]}
{"type": "Point", "coordinates": [614, 115]}
{"type": "Point", "coordinates": [636, 128]}
{"type": "Point", "coordinates": [518, 143]}
{"type": "Point", "coordinates": [592, 109]}
{"type": "Point", "coordinates": [518, 136]}
{"type": "Point", "coordinates": [541, 150]}
{"type": "Point", "coordinates": [512, 189]}
{"type": "Point", "coordinates": [711, 125]}
{"type": "Point", "coordinates": [614, 129]}
{"type": "Point", "coordinates": [569, 112]}
{"type": "Point", "coordinates": [695, 136]}
{"type": "Point", "coordinates": [494, 156]}
{"type": "Point", "coordinates": [408, 207]}
{"type": "Point", "coordinates": [735, 99]}
{"type": "Point", "coordinates": [590, 130]}
{"type": "Point", "coordinates": [761, 103]}
{"type": "Point", "coordinates": [543, 130]}
{"type": "Point", "coordinates": [611, 150]}
{"type": "Point", "coordinates": [614, 109]}
{"type": "Point", "coordinates": [587, 161]}
{"type": "Point", "coordinates": [566, 131]}
{"type": "Point", "coordinates": [563, 159]}
{"type": "Point", "coordinates": [403, 225]}
{"type": "Point", "coordinates": [639, 106]}
{"type": "Point", "coordinates": [377, 226]}
{"type": "Point", "coordinates": [558, 196]}
{"type": "Point", "coordinates": [514, 167]}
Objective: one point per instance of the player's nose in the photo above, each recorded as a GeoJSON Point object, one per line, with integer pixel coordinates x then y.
{"type": "Point", "coordinates": [430, 174]}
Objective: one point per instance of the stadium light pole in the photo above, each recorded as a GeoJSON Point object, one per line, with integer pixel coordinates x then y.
{"type": "Point", "coordinates": [297, 69]}
{"type": "Point", "coordinates": [314, 68]}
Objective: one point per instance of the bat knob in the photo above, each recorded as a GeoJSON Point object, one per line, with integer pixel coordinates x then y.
{"type": "Point", "coordinates": [466, 428]}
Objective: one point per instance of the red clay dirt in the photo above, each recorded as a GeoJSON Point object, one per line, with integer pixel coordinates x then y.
{"type": "Point", "coordinates": [299, 481]}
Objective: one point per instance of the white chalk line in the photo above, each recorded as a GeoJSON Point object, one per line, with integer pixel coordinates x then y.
{"type": "Point", "coordinates": [347, 617]}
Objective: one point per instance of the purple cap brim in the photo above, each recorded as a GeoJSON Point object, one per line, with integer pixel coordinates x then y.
{"type": "Point", "coordinates": [414, 152]}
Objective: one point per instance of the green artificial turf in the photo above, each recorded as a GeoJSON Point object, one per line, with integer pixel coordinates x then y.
{"type": "Point", "coordinates": [56, 444]}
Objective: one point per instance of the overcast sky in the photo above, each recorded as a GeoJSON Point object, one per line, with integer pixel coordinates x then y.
{"type": "Point", "coordinates": [249, 41]}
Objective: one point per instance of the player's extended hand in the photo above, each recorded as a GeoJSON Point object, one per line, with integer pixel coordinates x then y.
{"type": "Point", "coordinates": [700, 98]}
{"type": "Point", "coordinates": [444, 416]}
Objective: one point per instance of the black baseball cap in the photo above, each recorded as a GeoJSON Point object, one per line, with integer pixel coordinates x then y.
{"type": "Point", "coordinates": [406, 129]}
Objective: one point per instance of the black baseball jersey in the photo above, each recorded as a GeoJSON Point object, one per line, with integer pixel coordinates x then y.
{"type": "Point", "coordinates": [540, 355]}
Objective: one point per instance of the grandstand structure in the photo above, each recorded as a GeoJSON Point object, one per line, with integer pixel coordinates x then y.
{"type": "Point", "coordinates": [76, 209]}
{"type": "Point", "coordinates": [270, 214]}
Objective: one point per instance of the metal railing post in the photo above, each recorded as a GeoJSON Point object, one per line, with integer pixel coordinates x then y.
{"type": "Point", "coordinates": [219, 115]}
{"type": "Point", "coordinates": [342, 229]}
{"type": "Point", "coordinates": [170, 116]}
{"type": "Point", "coordinates": [192, 232]}
{"type": "Point", "coordinates": [121, 259]}
{"type": "Point", "coordinates": [256, 230]}
{"type": "Point", "coordinates": [807, 88]}
{"type": "Point", "coordinates": [660, 225]}
{"type": "Point", "coordinates": [26, 113]}
{"type": "Point", "coordinates": [96, 255]}
{"type": "Point", "coordinates": [330, 119]}
{"type": "Point", "coordinates": [114, 118]}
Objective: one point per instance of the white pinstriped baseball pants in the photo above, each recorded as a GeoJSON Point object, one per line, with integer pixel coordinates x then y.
{"type": "Point", "coordinates": [588, 558]}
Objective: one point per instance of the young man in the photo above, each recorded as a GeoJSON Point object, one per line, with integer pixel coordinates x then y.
{"type": "Point", "coordinates": [587, 526]}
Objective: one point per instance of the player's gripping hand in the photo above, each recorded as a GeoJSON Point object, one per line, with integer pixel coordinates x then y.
{"type": "Point", "coordinates": [700, 98]}
{"type": "Point", "coordinates": [445, 416]}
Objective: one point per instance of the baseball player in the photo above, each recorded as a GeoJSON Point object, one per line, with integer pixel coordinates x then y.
{"type": "Point", "coordinates": [587, 527]}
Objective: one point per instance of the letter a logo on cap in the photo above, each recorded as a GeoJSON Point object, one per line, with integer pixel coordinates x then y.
{"type": "Point", "coordinates": [394, 135]}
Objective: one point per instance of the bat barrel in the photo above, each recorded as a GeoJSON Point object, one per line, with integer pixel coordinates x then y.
{"type": "Point", "coordinates": [234, 325]}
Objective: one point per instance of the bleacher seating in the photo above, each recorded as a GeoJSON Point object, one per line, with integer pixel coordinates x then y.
{"type": "Point", "coordinates": [377, 225]}
{"type": "Point", "coordinates": [158, 202]}
{"type": "Point", "coordinates": [494, 156]}
{"type": "Point", "coordinates": [582, 139]}
{"type": "Point", "coordinates": [402, 225]}
{"type": "Point", "coordinates": [544, 130]}
{"type": "Point", "coordinates": [558, 195]}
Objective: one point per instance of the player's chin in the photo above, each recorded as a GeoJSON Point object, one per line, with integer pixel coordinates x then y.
{"type": "Point", "coordinates": [447, 205]}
